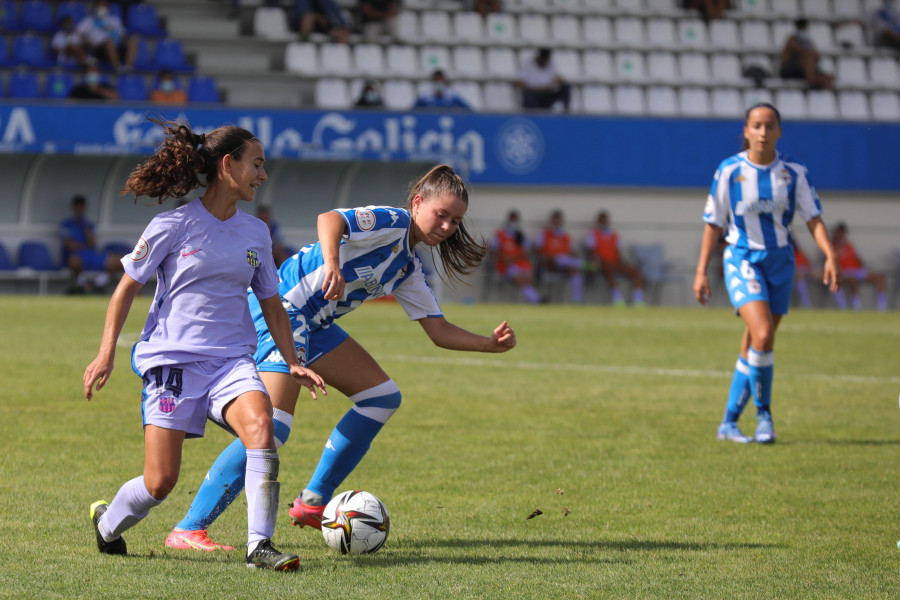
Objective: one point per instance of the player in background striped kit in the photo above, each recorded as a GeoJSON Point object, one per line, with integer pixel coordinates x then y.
{"type": "Point", "coordinates": [362, 253]}
{"type": "Point", "coordinates": [754, 197]}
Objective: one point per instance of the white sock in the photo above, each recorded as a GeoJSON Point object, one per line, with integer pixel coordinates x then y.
{"type": "Point", "coordinates": [131, 504]}
{"type": "Point", "coordinates": [262, 487]}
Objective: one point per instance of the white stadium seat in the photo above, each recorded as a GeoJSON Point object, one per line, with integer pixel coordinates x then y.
{"type": "Point", "coordinates": [568, 63]}
{"type": "Point", "coordinates": [270, 22]}
{"type": "Point", "coordinates": [597, 31]}
{"type": "Point", "coordinates": [853, 105]}
{"type": "Point", "coordinates": [432, 58]}
{"type": "Point", "coordinates": [822, 36]}
{"type": "Point", "coordinates": [629, 100]}
{"type": "Point", "coordinates": [629, 32]}
{"type": "Point", "coordinates": [818, 9]}
{"type": "Point", "coordinates": [398, 94]}
{"type": "Point", "coordinates": [597, 65]}
{"type": "Point", "coordinates": [630, 66]}
{"type": "Point", "coordinates": [884, 72]}
{"type": "Point", "coordinates": [693, 101]}
{"type": "Point", "coordinates": [500, 96]}
{"type": "Point", "coordinates": [885, 106]}
{"type": "Point", "coordinates": [850, 35]}
{"type": "Point", "coordinates": [726, 102]}
{"type": "Point", "coordinates": [468, 61]}
{"type": "Point", "coordinates": [791, 104]}
{"type": "Point", "coordinates": [661, 33]}
{"type": "Point", "coordinates": [726, 68]}
{"type": "Point", "coordinates": [468, 25]}
{"type": "Point", "coordinates": [754, 8]}
{"type": "Point", "coordinates": [407, 26]}
{"type": "Point", "coordinates": [402, 60]}
{"type": "Point", "coordinates": [755, 96]}
{"type": "Point", "coordinates": [569, 7]}
{"type": "Point", "coordinates": [301, 58]}
{"type": "Point", "coordinates": [332, 93]}
{"type": "Point", "coordinates": [534, 28]}
{"type": "Point", "coordinates": [596, 99]}
{"type": "Point", "coordinates": [756, 35]}
{"type": "Point", "coordinates": [662, 67]}
{"type": "Point", "coordinates": [693, 33]}
{"type": "Point", "coordinates": [781, 31]}
{"type": "Point", "coordinates": [501, 28]}
{"type": "Point", "coordinates": [694, 67]}
{"type": "Point", "coordinates": [501, 62]}
{"type": "Point", "coordinates": [565, 30]}
{"type": "Point", "coordinates": [471, 93]}
{"type": "Point", "coordinates": [598, 7]}
{"type": "Point", "coordinates": [630, 6]}
{"type": "Point", "coordinates": [822, 105]}
{"type": "Point", "coordinates": [851, 71]}
{"type": "Point", "coordinates": [368, 60]}
{"type": "Point", "coordinates": [335, 59]}
{"type": "Point", "coordinates": [723, 35]}
{"type": "Point", "coordinates": [789, 9]}
{"type": "Point", "coordinates": [435, 26]}
{"type": "Point", "coordinates": [662, 101]}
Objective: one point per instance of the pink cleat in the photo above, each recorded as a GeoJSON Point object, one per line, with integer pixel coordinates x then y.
{"type": "Point", "coordinates": [304, 514]}
{"type": "Point", "coordinates": [193, 540]}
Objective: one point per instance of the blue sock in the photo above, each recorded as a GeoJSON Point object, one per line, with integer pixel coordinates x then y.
{"type": "Point", "coordinates": [347, 445]}
{"type": "Point", "coordinates": [225, 479]}
{"type": "Point", "coordinates": [761, 371]}
{"type": "Point", "coordinates": [739, 394]}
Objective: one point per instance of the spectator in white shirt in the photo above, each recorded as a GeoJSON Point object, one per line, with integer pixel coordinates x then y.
{"type": "Point", "coordinates": [105, 38]}
{"type": "Point", "coordinates": [542, 86]}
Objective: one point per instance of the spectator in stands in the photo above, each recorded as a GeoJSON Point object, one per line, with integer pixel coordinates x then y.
{"type": "Point", "coordinates": [105, 38]}
{"type": "Point", "coordinates": [369, 97]}
{"type": "Point", "coordinates": [884, 25]}
{"type": "Point", "coordinates": [800, 59]}
{"type": "Point", "coordinates": [486, 7]}
{"type": "Point", "coordinates": [441, 95]}
{"type": "Point", "coordinates": [709, 9]}
{"type": "Point", "coordinates": [167, 90]}
{"type": "Point", "coordinates": [855, 272]}
{"type": "Point", "coordinates": [555, 253]}
{"type": "Point", "coordinates": [80, 253]}
{"type": "Point", "coordinates": [321, 16]}
{"type": "Point", "coordinates": [93, 87]}
{"type": "Point", "coordinates": [541, 84]}
{"type": "Point", "coordinates": [377, 18]}
{"type": "Point", "coordinates": [264, 214]}
{"type": "Point", "coordinates": [66, 43]}
{"type": "Point", "coordinates": [602, 244]}
{"type": "Point", "coordinates": [510, 252]}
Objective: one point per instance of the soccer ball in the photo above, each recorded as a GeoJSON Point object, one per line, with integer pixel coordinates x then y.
{"type": "Point", "coordinates": [355, 522]}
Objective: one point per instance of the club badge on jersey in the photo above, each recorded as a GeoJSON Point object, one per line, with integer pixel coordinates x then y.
{"type": "Point", "coordinates": [252, 258]}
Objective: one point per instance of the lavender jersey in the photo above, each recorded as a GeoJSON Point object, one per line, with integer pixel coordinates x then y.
{"type": "Point", "coordinates": [375, 259]}
{"type": "Point", "coordinates": [203, 268]}
{"type": "Point", "coordinates": [757, 203]}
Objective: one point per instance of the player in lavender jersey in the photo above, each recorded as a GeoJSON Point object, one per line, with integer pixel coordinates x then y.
{"type": "Point", "coordinates": [362, 253]}
{"type": "Point", "coordinates": [193, 353]}
{"type": "Point", "coordinates": [753, 198]}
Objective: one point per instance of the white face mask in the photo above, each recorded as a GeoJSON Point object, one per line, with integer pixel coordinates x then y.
{"type": "Point", "coordinates": [101, 12]}
{"type": "Point", "coordinates": [167, 86]}
{"type": "Point", "coordinates": [372, 97]}
{"type": "Point", "coordinates": [92, 78]}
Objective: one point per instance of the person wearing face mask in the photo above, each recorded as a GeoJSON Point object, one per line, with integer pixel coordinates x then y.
{"type": "Point", "coordinates": [509, 249]}
{"type": "Point", "coordinates": [167, 90]}
{"type": "Point", "coordinates": [800, 59]}
{"type": "Point", "coordinates": [66, 44]}
{"type": "Point", "coordinates": [369, 97]}
{"type": "Point", "coordinates": [542, 85]}
{"type": "Point", "coordinates": [93, 87]}
{"type": "Point", "coordinates": [105, 38]}
{"type": "Point", "coordinates": [884, 25]}
{"type": "Point", "coordinates": [441, 95]}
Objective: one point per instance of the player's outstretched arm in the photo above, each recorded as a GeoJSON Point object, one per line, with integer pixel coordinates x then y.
{"type": "Point", "coordinates": [100, 369]}
{"type": "Point", "coordinates": [446, 335]}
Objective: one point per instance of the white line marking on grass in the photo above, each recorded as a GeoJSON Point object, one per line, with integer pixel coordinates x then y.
{"type": "Point", "coordinates": [625, 370]}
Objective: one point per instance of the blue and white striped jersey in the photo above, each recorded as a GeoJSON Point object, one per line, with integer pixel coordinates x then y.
{"type": "Point", "coordinates": [756, 204]}
{"type": "Point", "coordinates": [375, 259]}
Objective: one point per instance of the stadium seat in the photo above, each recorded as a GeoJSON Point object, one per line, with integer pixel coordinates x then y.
{"type": "Point", "coordinates": [398, 94]}
{"type": "Point", "coordinates": [500, 96]}
{"type": "Point", "coordinates": [434, 57]}
{"type": "Point", "coordinates": [597, 65]}
{"type": "Point", "coordinates": [271, 23]}
{"type": "Point", "coordinates": [574, 7]}
{"type": "Point", "coordinates": [596, 99]}
{"type": "Point", "coordinates": [792, 104]}
{"type": "Point", "coordinates": [630, 66]}
{"type": "Point", "coordinates": [435, 26]}
{"type": "Point", "coordinates": [23, 84]}
{"type": "Point", "coordinates": [471, 93]}
{"type": "Point", "coordinates": [631, 7]}
{"type": "Point", "coordinates": [568, 63]}
{"type": "Point", "coordinates": [407, 26]}
{"type": "Point", "coordinates": [753, 8]}
{"type": "Point", "coordinates": [786, 9]}
{"type": "Point", "coordinates": [9, 16]}
{"type": "Point", "coordinates": [662, 68]}
{"type": "Point", "coordinates": [726, 102]}
{"type": "Point", "coordinates": [143, 59]}
{"type": "Point", "coordinates": [853, 105]}
{"type": "Point", "coordinates": [58, 85]}
{"type": "Point", "coordinates": [755, 96]}
{"type": "Point", "coordinates": [629, 32]}
{"type": "Point", "coordinates": [402, 60]}
{"type": "Point", "coordinates": [170, 55]}
{"type": "Point", "coordinates": [368, 60]}
{"type": "Point", "coordinates": [661, 33]}
{"type": "Point", "coordinates": [202, 89]}
{"type": "Point", "coordinates": [468, 26]}
{"type": "Point", "coordinates": [885, 106]}
{"type": "Point", "coordinates": [884, 72]}
{"type": "Point", "coordinates": [332, 93]}
{"type": "Point", "coordinates": [36, 255]}
{"type": "Point", "coordinates": [565, 30]}
{"type": "Point", "coordinates": [534, 28]}
{"type": "Point", "coordinates": [822, 36]}
{"type": "Point", "coordinates": [143, 19]}
{"type": "Point", "coordinates": [822, 105]}
{"type": "Point", "coordinates": [851, 10]}
{"type": "Point", "coordinates": [662, 101]}
{"type": "Point", "coordinates": [301, 58]}
{"type": "Point", "coordinates": [593, 7]}
{"type": "Point", "coordinates": [71, 8]}
{"type": "Point", "coordinates": [334, 60]}
{"type": "Point", "coordinates": [37, 15]}
{"type": "Point", "coordinates": [629, 100]}
{"type": "Point", "coordinates": [5, 59]}
{"type": "Point", "coordinates": [501, 28]}
{"type": "Point", "coordinates": [849, 35]}
{"type": "Point", "coordinates": [756, 35]}
{"type": "Point", "coordinates": [693, 33]}
{"type": "Point", "coordinates": [818, 9]}
{"type": "Point", "coordinates": [781, 31]}
{"type": "Point", "coordinates": [726, 68]}
{"type": "Point", "coordinates": [693, 67]}
{"type": "Point", "coordinates": [693, 101]}
{"type": "Point", "coordinates": [665, 8]}
{"type": "Point", "coordinates": [29, 50]}
{"type": "Point", "coordinates": [132, 87]}
{"type": "Point", "coordinates": [501, 62]}
{"type": "Point", "coordinates": [851, 71]}
{"type": "Point", "coordinates": [117, 248]}
{"type": "Point", "coordinates": [468, 61]}
{"type": "Point", "coordinates": [6, 264]}
{"type": "Point", "coordinates": [597, 31]}
{"type": "Point", "coordinates": [723, 35]}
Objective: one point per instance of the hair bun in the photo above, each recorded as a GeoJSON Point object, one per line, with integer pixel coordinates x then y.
{"type": "Point", "coordinates": [201, 139]}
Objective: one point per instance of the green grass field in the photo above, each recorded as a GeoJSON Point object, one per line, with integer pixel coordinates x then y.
{"type": "Point", "coordinates": [603, 419]}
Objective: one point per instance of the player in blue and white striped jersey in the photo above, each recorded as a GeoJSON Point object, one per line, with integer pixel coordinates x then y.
{"type": "Point", "coordinates": [754, 197]}
{"type": "Point", "coordinates": [362, 254]}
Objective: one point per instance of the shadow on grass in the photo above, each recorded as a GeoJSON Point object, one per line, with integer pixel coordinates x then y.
{"type": "Point", "coordinates": [829, 442]}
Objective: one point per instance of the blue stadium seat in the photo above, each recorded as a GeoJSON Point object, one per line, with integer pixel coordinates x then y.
{"type": "Point", "coordinates": [144, 20]}
{"type": "Point", "coordinates": [5, 263]}
{"type": "Point", "coordinates": [71, 8]}
{"type": "Point", "coordinates": [170, 55]}
{"type": "Point", "coordinates": [9, 16]}
{"type": "Point", "coordinates": [118, 248]}
{"type": "Point", "coordinates": [202, 89]}
{"type": "Point", "coordinates": [23, 84]}
{"type": "Point", "coordinates": [37, 15]}
{"type": "Point", "coordinates": [143, 60]}
{"type": "Point", "coordinates": [5, 58]}
{"type": "Point", "coordinates": [29, 50]}
{"type": "Point", "coordinates": [36, 255]}
{"type": "Point", "coordinates": [58, 85]}
{"type": "Point", "coordinates": [132, 87]}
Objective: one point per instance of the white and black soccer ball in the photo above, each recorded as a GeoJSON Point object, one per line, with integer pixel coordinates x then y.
{"type": "Point", "coordinates": [355, 522]}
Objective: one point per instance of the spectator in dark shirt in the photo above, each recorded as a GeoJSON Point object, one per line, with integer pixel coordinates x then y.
{"type": "Point", "coordinates": [378, 17]}
{"type": "Point", "coordinates": [80, 253]}
{"type": "Point", "coordinates": [93, 87]}
{"type": "Point", "coordinates": [370, 97]}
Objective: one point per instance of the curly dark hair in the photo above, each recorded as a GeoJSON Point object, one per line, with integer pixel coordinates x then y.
{"type": "Point", "coordinates": [461, 253]}
{"type": "Point", "coordinates": [184, 160]}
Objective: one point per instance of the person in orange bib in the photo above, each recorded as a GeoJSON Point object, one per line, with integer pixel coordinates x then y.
{"type": "Point", "coordinates": [603, 250]}
{"type": "Point", "coordinates": [510, 251]}
{"type": "Point", "coordinates": [554, 249]}
{"type": "Point", "coordinates": [855, 272]}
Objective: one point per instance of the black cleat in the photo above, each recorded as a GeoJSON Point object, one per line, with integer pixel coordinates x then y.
{"type": "Point", "coordinates": [266, 556]}
{"type": "Point", "coordinates": [117, 546]}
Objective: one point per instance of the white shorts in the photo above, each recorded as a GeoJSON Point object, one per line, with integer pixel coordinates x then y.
{"type": "Point", "coordinates": [183, 396]}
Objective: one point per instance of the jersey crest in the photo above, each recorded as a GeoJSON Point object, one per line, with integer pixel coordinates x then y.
{"type": "Point", "coordinates": [252, 258]}
{"type": "Point", "coordinates": [366, 219]}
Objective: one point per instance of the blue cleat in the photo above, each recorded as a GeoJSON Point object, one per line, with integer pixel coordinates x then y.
{"type": "Point", "coordinates": [765, 431]}
{"type": "Point", "coordinates": [730, 431]}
